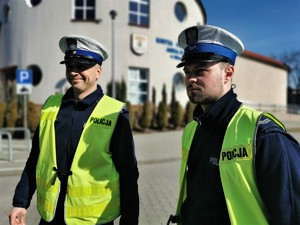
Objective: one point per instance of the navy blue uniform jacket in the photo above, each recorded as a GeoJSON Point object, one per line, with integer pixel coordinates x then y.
{"type": "Point", "coordinates": [277, 169]}
{"type": "Point", "coordinates": [68, 128]}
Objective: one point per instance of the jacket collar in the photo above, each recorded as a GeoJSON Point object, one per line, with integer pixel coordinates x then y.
{"type": "Point", "coordinates": [88, 100]}
{"type": "Point", "coordinates": [220, 112]}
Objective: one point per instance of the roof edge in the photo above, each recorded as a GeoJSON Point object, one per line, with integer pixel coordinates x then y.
{"type": "Point", "coordinates": [261, 58]}
{"type": "Point", "coordinates": [201, 6]}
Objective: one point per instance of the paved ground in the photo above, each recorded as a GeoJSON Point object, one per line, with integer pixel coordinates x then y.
{"type": "Point", "coordinates": [158, 157]}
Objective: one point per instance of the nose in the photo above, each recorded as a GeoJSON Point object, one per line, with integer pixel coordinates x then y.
{"type": "Point", "coordinates": [191, 79]}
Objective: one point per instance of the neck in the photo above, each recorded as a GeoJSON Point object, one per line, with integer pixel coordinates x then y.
{"type": "Point", "coordinates": [205, 107]}
{"type": "Point", "coordinates": [81, 95]}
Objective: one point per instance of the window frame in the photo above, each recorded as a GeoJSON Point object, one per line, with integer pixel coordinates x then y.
{"type": "Point", "coordinates": [138, 13]}
{"type": "Point", "coordinates": [137, 81]}
{"type": "Point", "coordinates": [84, 8]}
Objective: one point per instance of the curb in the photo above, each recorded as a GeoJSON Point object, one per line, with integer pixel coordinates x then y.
{"type": "Point", "coordinates": [11, 171]}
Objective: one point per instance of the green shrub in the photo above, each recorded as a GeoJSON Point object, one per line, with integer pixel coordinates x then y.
{"type": "Point", "coordinates": [162, 116]}
{"type": "Point", "coordinates": [33, 116]}
{"type": "Point", "coordinates": [146, 117]}
{"type": "Point", "coordinates": [177, 113]}
{"type": "Point", "coordinates": [2, 113]}
{"type": "Point", "coordinates": [189, 112]}
{"type": "Point", "coordinates": [11, 114]}
{"type": "Point", "coordinates": [120, 89]}
{"type": "Point", "coordinates": [153, 122]}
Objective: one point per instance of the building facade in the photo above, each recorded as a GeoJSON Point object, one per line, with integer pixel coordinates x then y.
{"type": "Point", "coordinates": [141, 39]}
{"type": "Point", "coordinates": [261, 81]}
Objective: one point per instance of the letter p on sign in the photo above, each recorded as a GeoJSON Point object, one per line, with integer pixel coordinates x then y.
{"type": "Point", "coordinates": [24, 81]}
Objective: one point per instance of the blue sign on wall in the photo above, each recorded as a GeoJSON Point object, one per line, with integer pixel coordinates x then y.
{"type": "Point", "coordinates": [24, 77]}
{"type": "Point", "coordinates": [24, 81]}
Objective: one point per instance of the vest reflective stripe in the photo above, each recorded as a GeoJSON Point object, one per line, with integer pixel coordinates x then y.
{"type": "Point", "coordinates": [236, 164]}
{"type": "Point", "coordinates": [187, 139]}
{"type": "Point", "coordinates": [46, 179]}
{"type": "Point", "coordinates": [244, 203]}
{"type": "Point", "coordinates": [96, 198]}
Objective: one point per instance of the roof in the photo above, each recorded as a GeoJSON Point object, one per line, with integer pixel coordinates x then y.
{"type": "Point", "coordinates": [265, 59]}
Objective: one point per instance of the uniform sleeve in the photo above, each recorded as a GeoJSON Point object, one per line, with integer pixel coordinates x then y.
{"type": "Point", "coordinates": [27, 184]}
{"type": "Point", "coordinates": [123, 154]}
{"type": "Point", "coordinates": [278, 173]}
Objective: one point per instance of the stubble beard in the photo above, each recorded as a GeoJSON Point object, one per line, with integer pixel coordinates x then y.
{"type": "Point", "coordinates": [200, 100]}
{"type": "Point", "coordinates": [204, 98]}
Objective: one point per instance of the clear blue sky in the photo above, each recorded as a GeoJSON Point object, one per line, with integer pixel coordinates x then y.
{"type": "Point", "coordinates": [267, 27]}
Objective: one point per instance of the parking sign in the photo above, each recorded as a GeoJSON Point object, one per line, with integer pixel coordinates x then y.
{"type": "Point", "coordinates": [24, 81]}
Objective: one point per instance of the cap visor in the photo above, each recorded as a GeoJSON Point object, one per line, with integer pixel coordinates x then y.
{"type": "Point", "coordinates": [79, 60]}
{"type": "Point", "coordinates": [196, 61]}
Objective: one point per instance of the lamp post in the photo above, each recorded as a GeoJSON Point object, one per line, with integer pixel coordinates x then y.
{"type": "Point", "coordinates": [113, 15]}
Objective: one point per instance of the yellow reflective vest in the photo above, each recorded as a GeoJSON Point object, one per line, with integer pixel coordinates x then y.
{"type": "Point", "coordinates": [236, 165]}
{"type": "Point", "coordinates": [93, 195]}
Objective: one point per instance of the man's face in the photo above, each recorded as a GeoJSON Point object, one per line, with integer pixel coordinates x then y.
{"type": "Point", "coordinates": [206, 82]}
{"type": "Point", "coordinates": [83, 78]}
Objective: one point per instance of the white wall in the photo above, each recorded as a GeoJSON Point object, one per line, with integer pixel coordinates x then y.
{"type": "Point", "coordinates": [260, 83]}
{"type": "Point", "coordinates": [31, 37]}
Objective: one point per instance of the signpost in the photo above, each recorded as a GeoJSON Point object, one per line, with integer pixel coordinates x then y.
{"type": "Point", "coordinates": [24, 87]}
{"type": "Point", "coordinates": [24, 82]}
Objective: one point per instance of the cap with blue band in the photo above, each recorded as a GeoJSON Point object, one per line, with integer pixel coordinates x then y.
{"type": "Point", "coordinates": [213, 48]}
{"type": "Point", "coordinates": [82, 49]}
{"type": "Point", "coordinates": [85, 54]}
{"type": "Point", "coordinates": [207, 43]}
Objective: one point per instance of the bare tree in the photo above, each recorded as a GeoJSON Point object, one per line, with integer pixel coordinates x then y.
{"type": "Point", "coordinates": [292, 60]}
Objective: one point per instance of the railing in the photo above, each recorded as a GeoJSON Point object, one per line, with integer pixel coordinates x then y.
{"type": "Point", "coordinates": [7, 132]}
{"type": "Point", "coordinates": [293, 108]}
{"type": "Point", "coordinates": [9, 137]}
{"type": "Point", "coordinates": [267, 107]}
{"type": "Point", "coordinates": [289, 108]}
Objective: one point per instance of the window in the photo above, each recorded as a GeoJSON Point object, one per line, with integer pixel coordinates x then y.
{"type": "Point", "coordinates": [6, 10]}
{"type": "Point", "coordinates": [84, 10]}
{"type": "Point", "coordinates": [139, 12]}
{"type": "Point", "coordinates": [180, 11]}
{"type": "Point", "coordinates": [138, 85]}
{"type": "Point", "coordinates": [36, 74]}
{"type": "Point", "coordinates": [179, 82]}
{"type": "Point", "coordinates": [32, 3]}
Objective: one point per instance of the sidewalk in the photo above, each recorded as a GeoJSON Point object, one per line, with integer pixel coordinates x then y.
{"type": "Point", "coordinates": [158, 156]}
{"type": "Point", "coordinates": [20, 154]}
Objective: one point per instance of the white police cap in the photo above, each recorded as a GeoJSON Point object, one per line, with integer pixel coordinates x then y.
{"type": "Point", "coordinates": [82, 49]}
{"type": "Point", "coordinates": [206, 43]}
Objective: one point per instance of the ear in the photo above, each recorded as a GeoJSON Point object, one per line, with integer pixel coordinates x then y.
{"type": "Point", "coordinates": [99, 72]}
{"type": "Point", "coordinates": [229, 72]}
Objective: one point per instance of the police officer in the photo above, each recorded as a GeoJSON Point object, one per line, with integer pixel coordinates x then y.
{"type": "Point", "coordinates": [239, 165]}
{"type": "Point", "coordinates": [82, 162]}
